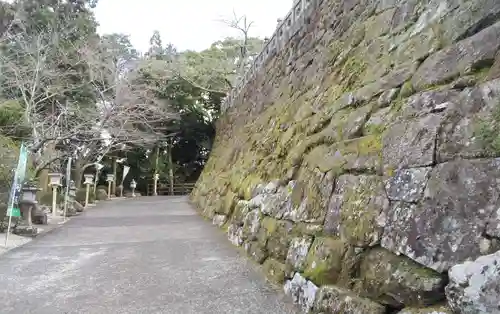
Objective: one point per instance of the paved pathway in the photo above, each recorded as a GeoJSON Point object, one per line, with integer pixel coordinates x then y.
{"type": "Point", "coordinates": [148, 255]}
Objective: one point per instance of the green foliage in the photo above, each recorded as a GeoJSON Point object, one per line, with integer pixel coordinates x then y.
{"type": "Point", "coordinates": [80, 196]}
{"type": "Point", "coordinates": [218, 66]}
{"type": "Point", "coordinates": [101, 195]}
{"type": "Point", "coordinates": [12, 120]}
{"type": "Point", "coordinates": [488, 132]}
{"type": "Point", "coordinates": [102, 187]}
{"type": "Point", "coordinates": [46, 198]}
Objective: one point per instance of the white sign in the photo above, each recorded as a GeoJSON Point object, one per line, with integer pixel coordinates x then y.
{"type": "Point", "coordinates": [125, 172]}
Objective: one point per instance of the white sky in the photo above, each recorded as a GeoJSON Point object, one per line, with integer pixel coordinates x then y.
{"type": "Point", "coordinates": [188, 24]}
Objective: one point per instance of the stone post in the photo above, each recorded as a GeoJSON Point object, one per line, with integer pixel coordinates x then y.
{"type": "Point", "coordinates": [55, 182]}
{"type": "Point", "coordinates": [133, 185]}
{"type": "Point", "coordinates": [155, 186]}
{"type": "Point", "coordinates": [110, 178]}
{"type": "Point", "coordinates": [88, 181]}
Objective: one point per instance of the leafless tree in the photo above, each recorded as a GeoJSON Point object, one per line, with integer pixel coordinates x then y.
{"type": "Point", "coordinates": [32, 72]}
{"type": "Point", "coordinates": [125, 113]}
{"type": "Point", "coordinates": [242, 25]}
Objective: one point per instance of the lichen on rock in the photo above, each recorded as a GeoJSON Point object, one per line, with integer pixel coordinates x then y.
{"type": "Point", "coordinates": [398, 281]}
{"type": "Point", "coordinates": [360, 160]}
{"type": "Point", "coordinates": [475, 286]}
{"type": "Point", "coordinates": [331, 299]}
{"type": "Point", "coordinates": [354, 208]}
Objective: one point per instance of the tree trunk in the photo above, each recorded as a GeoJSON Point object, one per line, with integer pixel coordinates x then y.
{"type": "Point", "coordinates": [43, 180]}
{"type": "Point", "coordinates": [43, 177]}
{"type": "Point", "coordinates": [78, 173]}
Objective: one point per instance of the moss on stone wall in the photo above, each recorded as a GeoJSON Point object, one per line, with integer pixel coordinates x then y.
{"type": "Point", "coordinates": [322, 162]}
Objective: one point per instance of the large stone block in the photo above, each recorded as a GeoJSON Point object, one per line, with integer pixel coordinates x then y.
{"type": "Point", "coordinates": [461, 58]}
{"type": "Point", "coordinates": [448, 226]}
{"type": "Point", "coordinates": [411, 143]}
{"type": "Point", "coordinates": [443, 309]}
{"type": "Point", "coordinates": [328, 261]}
{"type": "Point", "coordinates": [354, 208]}
{"type": "Point", "coordinates": [474, 286]}
{"type": "Point", "coordinates": [398, 281]}
{"type": "Point", "coordinates": [331, 299]}
{"type": "Point", "coordinates": [408, 185]}
{"type": "Point", "coordinates": [297, 252]}
{"type": "Point", "coordinates": [463, 124]}
{"type": "Point", "coordinates": [302, 291]}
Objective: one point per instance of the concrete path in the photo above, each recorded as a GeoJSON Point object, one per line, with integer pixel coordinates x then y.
{"type": "Point", "coordinates": [148, 255]}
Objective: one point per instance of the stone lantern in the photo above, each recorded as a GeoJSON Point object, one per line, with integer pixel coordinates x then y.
{"type": "Point", "coordinates": [110, 178]}
{"type": "Point", "coordinates": [28, 202]}
{"type": "Point", "coordinates": [133, 185]}
{"type": "Point", "coordinates": [55, 182]}
{"type": "Point", "coordinates": [89, 179]}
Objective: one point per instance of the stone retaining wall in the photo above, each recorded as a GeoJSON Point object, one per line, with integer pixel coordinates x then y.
{"type": "Point", "coordinates": [359, 165]}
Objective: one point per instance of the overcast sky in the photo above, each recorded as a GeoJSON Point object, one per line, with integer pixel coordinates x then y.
{"type": "Point", "coordinates": [188, 24]}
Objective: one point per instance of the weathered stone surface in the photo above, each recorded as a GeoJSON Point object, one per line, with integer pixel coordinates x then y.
{"type": "Point", "coordinates": [331, 299]}
{"type": "Point", "coordinates": [274, 235]}
{"type": "Point", "coordinates": [462, 124]}
{"type": "Point", "coordinates": [408, 185]}
{"type": "Point", "coordinates": [447, 227]}
{"type": "Point", "coordinates": [387, 97]}
{"type": "Point", "coordinates": [399, 281]}
{"type": "Point", "coordinates": [434, 101]}
{"type": "Point", "coordinates": [324, 263]}
{"type": "Point", "coordinates": [474, 287]}
{"type": "Point", "coordinates": [464, 21]}
{"type": "Point", "coordinates": [357, 155]}
{"type": "Point", "coordinates": [275, 271]}
{"type": "Point", "coordinates": [219, 220]}
{"type": "Point", "coordinates": [230, 201]}
{"type": "Point", "coordinates": [493, 227]}
{"type": "Point", "coordinates": [297, 253]}
{"type": "Point", "coordinates": [256, 251]}
{"type": "Point", "coordinates": [411, 143]}
{"type": "Point", "coordinates": [395, 92]}
{"type": "Point", "coordinates": [392, 80]}
{"type": "Point", "coordinates": [354, 207]}
{"type": "Point", "coordinates": [427, 310]}
{"type": "Point", "coordinates": [240, 211]}
{"type": "Point", "coordinates": [379, 121]}
{"type": "Point", "coordinates": [308, 198]}
{"type": "Point", "coordinates": [251, 224]}
{"type": "Point", "coordinates": [235, 235]}
{"type": "Point", "coordinates": [460, 58]}
{"type": "Point", "coordinates": [302, 291]}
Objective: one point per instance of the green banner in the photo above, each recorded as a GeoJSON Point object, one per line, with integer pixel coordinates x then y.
{"type": "Point", "coordinates": [15, 192]}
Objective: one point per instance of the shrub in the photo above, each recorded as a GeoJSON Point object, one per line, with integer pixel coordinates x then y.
{"type": "Point", "coordinates": [80, 195]}
{"type": "Point", "coordinates": [45, 198]}
{"type": "Point", "coordinates": [12, 119]}
{"type": "Point", "coordinates": [101, 195]}
{"type": "Point", "coordinates": [102, 187]}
